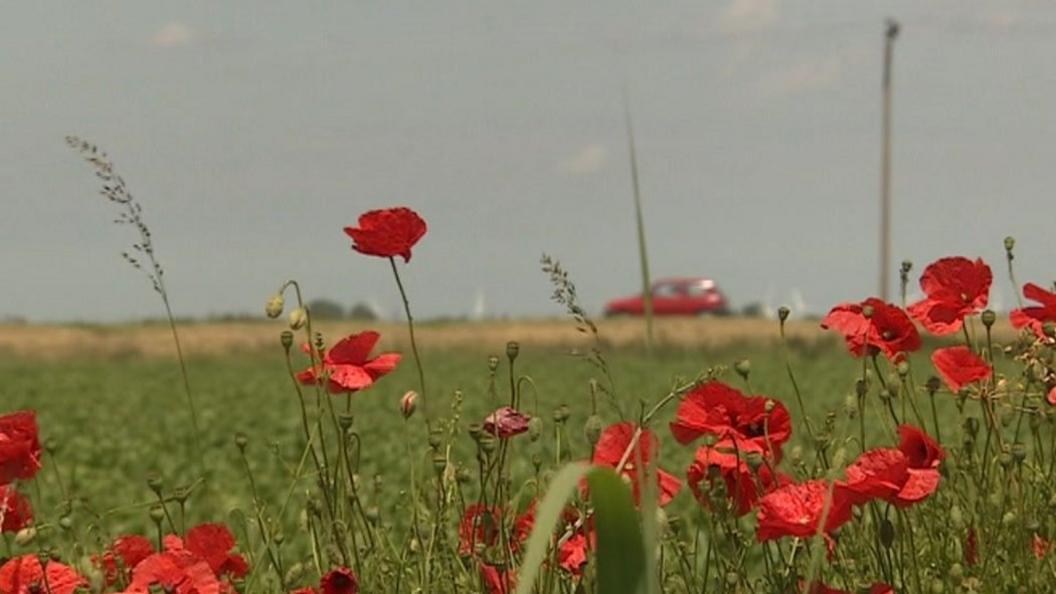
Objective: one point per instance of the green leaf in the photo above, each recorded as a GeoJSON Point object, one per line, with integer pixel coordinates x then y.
{"type": "Point", "coordinates": [621, 552]}
{"type": "Point", "coordinates": [547, 514]}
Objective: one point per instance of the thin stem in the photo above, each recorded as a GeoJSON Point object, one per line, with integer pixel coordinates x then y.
{"type": "Point", "coordinates": [414, 345]}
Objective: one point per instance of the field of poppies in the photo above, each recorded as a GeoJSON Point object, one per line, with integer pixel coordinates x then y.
{"type": "Point", "coordinates": [913, 453]}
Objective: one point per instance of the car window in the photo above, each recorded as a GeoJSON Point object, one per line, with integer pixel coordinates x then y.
{"type": "Point", "coordinates": [667, 291]}
{"type": "Point", "coordinates": [697, 290]}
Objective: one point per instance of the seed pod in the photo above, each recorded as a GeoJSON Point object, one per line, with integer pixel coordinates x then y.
{"type": "Point", "coordinates": [241, 440]}
{"type": "Point", "coordinates": [157, 513]}
{"type": "Point", "coordinates": [286, 339]}
{"type": "Point", "coordinates": [902, 368]}
{"type": "Point", "coordinates": [782, 313]}
{"type": "Point", "coordinates": [493, 363]}
{"type": "Point", "coordinates": [1010, 244]}
{"type": "Point", "coordinates": [535, 428]}
{"type": "Point", "coordinates": [512, 349]}
{"type": "Point", "coordinates": [273, 307]}
{"type": "Point", "coordinates": [344, 420]}
{"type": "Point", "coordinates": [988, 317]}
{"type": "Point", "coordinates": [1008, 519]}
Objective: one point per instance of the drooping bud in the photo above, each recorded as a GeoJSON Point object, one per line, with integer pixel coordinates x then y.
{"type": "Point", "coordinates": [743, 368]}
{"type": "Point", "coordinates": [298, 318]}
{"type": "Point", "coordinates": [154, 482]}
{"type": "Point", "coordinates": [25, 536]}
{"type": "Point", "coordinates": [408, 403]}
{"type": "Point", "coordinates": [273, 308]}
{"type": "Point", "coordinates": [902, 368]}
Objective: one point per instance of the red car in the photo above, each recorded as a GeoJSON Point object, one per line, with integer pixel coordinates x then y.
{"type": "Point", "coordinates": [675, 296]}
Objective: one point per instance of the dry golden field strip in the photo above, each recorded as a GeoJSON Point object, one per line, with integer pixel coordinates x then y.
{"type": "Point", "coordinates": [154, 339]}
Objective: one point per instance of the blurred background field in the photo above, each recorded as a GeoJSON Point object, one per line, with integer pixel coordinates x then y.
{"type": "Point", "coordinates": [110, 400]}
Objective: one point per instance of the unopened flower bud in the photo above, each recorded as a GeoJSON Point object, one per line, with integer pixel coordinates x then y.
{"type": "Point", "coordinates": [157, 513]}
{"type": "Point", "coordinates": [475, 431]}
{"type": "Point", "coordinates": [298, 318]}
{"type": "Point", "coordinates": [1009, 519]}
{"type": "Point", "coordinates": [1010, 244]}
{"type": "Point", "coordinates": [932, 385]}
{"type": "Point", "coordinates": [487, 443]}
{"type": "Point", "coordinates": [273, 308]}
{"type": "Point", "coordinates": [743, 368]}
{"type": "Point", "coordinates": [535, 428]}
{"type": "Point", "coordinates": [241, 440]}
{"type": "Point", "coordinates": [286, 339]}
{"type": "Point", "coordinates": [902, 368]}
{"type": "Point", "coordinates": [493, 363]}
{"type": "Point", "coordinates": [25, 536]}
{"type": "Point", "coordinates": [592, 429]}
{"type": "Point", "coordinates": [861, 387]}
{"type": "Point", "coordinates": [439, 463]}
{"type": "Point", "coordinates": [435, 439]}
{"type": "Point", "coordinates": [65, 522]}
{"type": "Point", "coordinates": [907, 265]}
{"type": "Point", "coordinates": [988, 317]}
{"type": "Point", "coordinates": [512, 349]}
{"type": "Point", "coordinates": [408, 403]}
{"type": "Point", "coordinates": [755, 460]}
{"type": "Point", "coordinates": [154, 482]}
{"type": "Point", "coordinates": [561, 414]}
{"type": "Point", "coordinates": [373, 514]}
{"type": "Point", "coordinates": [782, 313]}
{"type": "Point", "coordinates": [887, 533]}
{"type": "Point", "coordinates": [344, 420]}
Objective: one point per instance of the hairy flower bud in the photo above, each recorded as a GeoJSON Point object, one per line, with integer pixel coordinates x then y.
{"type": "Point", "coordinates": [273, 308]}
{"type": "Point", "coordinates": [743, 368]}
{"type": "Point", "coordinates": [592, 429]}
{"type": "Point", "coordinates": [298, 318]}
{"type": "Point", "coordinates": [493, 363]}
{"type": "Point", "coordinates": [408, 403]}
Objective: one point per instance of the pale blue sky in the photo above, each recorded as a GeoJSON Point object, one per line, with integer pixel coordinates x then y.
{"type": "Point", "coordinates": [252, 133]}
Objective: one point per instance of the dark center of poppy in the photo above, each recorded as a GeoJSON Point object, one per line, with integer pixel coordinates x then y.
{"type": "Point", "coordinates": [888, 335]}
{"type": "Point", "coordinates": [342, 581]}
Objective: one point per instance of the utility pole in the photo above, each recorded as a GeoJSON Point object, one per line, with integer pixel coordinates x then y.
{"type": "Point", "coordinates": [885, 162]}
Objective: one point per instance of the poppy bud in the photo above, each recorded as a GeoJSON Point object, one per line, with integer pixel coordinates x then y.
{"type": "Point", "coordinates": [408, 403]}
{"type": "Point", "coordinates": [475, 431]}
{"type": "Point", "coordinates": [295, 574]}
{"type": "Point", "coordinates": [782, 313]}
{"type": "Point", "coordinates": [1008, 519]}
{"type": "Point", "coordinates": [493, 363]}
{"type": "Point", "coordinates": [937, 586]}
{"type": "Point", "coordinates": [439, 463]}
{"type": "Point", "coordinates": [286, 338]}
{"type": "Point", "coordinates": [463, 476]}
{"type": "Point", "coordinates": [933, 384]}
{"type": "Point", "coordinates": [743, 368]}
{"type": "Point", "coordinates": [154, 482]}
{"type": "Point", "coordinates": [273, 308]}
{"type": "Point", "coordinates": [956, 517]}
{"type": "Point", "coordinates": [373, 514]}
{"type": "Point", "coordinates": [902, 368]}
{"type": "Point", "coordinates": [561, 414]}
{"type": "Point", "coordinates": [861, 387]}
{"type": "Point", "coordinates": [732, 578]}
{"type": "Point", "coordinates": [867, 311]}
{"type": "Point", "coordinates": [956, 571]}
{"type": "Point", "coordinates": [157, 513]}
{"type": "Point", "coordinates": [512, 349]}
{"type": "Point", "coordinates": [592, 429]}
{"type": "Point", "coordinates": [907, 265]}
{"type": "Point", "coordinates": [885, 394]}
{"type": "Point", "coordinates": [535, 428]}
{"type": "Point", "coordinates": [65, 522]}
{"type": "Point", "coordinates": [1005, 459]}
{"type": "Point", "coordinates": [241, 440]}
{"type": "Point", "coordinates": [25, 536]}
{"type": "Point", "coordinates": [278, 538]}
{"type": "Point", "coordinates": [887, 533]}
{"type": "Point", "coordinates": [755, 460]}
{"type": "Point", "coordinates": [1010, 244]}
{"type": "Point", "coordinates": [988, 317]}
{"type": "Point", "coordinates": [486, 443]}
{"type": "Point", "coordinates": [434, 439]}
{"type": "Point", "coordinates": [1019, 452]}
{"type": "Point", "coordinates": [298, 318]}
{"type": "Point", "coordinates": [796, 454]}
{"type": "Point", "coordinates": [344, 420]}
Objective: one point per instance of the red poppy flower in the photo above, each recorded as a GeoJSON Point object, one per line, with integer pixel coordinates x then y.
{"type": "Point", "coordinates": [923, 456]}
{"type": "Point", "coordinates": [497, 581]}
{"type": "Point", "coordinates": [715, 408]}
{"type": "Point", "coordinates": [480, 527]}
{"type": "Point", "coordinates": [123, 556]}
{"type": "Point", "coordinates": [888, 330]}
{"type": "Point", "coordinates": [799, 510]}
{"type": "Point", "coordinates": [25, 575]}
{"type": "Point", "coordinates": [15, 511]}
{"type": "Point", "coordinates": [506, 422]}
{"type": "Point", "coordinates": [19, 446]}
{"type": "Point", "coordinates": [743, 486]}
{"type": "Point", "coordinates": [173, 571]}
{"type": "Point", "coordinates": [614, 442]}
{"type": "Point", "coordinates": [954, 288]}
{"type": "Point", "coordinates": [959, 366]}
{"type": "Point", "coordinates": [1039, 546]}
{"type": "Point", "coordinates": [877, 474]}
{"type": "Point", "coordinates": [347, 366]}
{"type": "Point", "coordinates": [388, 232]}
{"type": "Point", "coordinates": [340, 580]}
{"type": "Point", "coordinates": [212, 543]}
{"type": "Point", "coordinates": [573, 553]}
{"type": "Point", "coordinates": [1035, 316]}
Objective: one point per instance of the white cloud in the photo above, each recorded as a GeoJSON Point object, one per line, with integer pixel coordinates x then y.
{"type": "Point", "coordinates": [588, 159]}
{"type": "Point", "coordinates": [748, 16]}
{"type": "Point", "coordinates": [807, 74]}
{"type": "Point", "coordinates": [172, 34]}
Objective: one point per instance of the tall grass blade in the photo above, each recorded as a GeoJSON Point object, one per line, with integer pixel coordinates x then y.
{"type": "Point", "coordinates": [643, 257]}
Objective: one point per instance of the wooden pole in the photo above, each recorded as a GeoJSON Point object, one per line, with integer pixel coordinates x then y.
{"type": "Point", "coordinates": [647, 289]}
{"type": "Point", "coordinates": [885, 163]}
